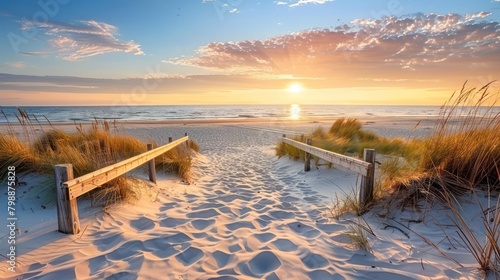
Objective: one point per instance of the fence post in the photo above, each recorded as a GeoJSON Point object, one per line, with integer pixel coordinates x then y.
{"type": "Point", "coordinates": [366, 190]}
{"type": "Point", "coordinates": [169, 139]}
{"type": "Point", "coordinates": [152, 167]}
{"type": "Point", "coordinates": [307, 163]}
{"type": "Point", "coordinates": [67, 209]}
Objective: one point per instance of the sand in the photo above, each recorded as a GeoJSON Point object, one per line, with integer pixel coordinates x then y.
{"type": "Point", "coordinates": [246, 215]}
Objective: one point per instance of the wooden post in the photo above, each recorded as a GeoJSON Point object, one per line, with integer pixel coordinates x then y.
{"type": "Point", "coordinates": [284, 135]}
{"type": "Point", "coordinates": [152, 167]}
{"type": "Point", "coordinates": [366, 190]}
{"type": "Point", "coordinates": [67, 209]}
{"type": "Point", "coordinates": [307, 163]}
{"type": "Point", "coordinates": [169, 139]}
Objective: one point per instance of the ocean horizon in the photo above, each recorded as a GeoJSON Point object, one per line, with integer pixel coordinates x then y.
{"type": "Point", "coordinates": [59, 114]}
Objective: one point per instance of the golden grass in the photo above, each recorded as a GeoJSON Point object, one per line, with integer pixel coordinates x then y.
{"type": "Point", "coordinates": [193, 146]}
{"type": "Point", "coordinates": [484, 249]}
{"type": "Point", "coordinates": [87, 150]}
{"type": "Point", "coordinates": [348, 203]}
{"type": "Point", "coordinates": [463, 153]}
{"type": "Point", "coordinates": [358, 234]}
{"type": "Point", "coordinates": [345, 136]}
{"type": "Point", "coordinates": [461, 156]}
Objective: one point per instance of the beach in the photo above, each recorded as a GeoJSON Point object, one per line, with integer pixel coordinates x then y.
{"type": "Point", "coordinates": [246, 214]}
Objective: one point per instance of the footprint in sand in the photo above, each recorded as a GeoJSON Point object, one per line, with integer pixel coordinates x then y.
{"type": "Point", "coordinates": [304, 230]}
{"type": "Point", "coordinates": [234, 248]}
{"type": "Point", "coordinates": [264, 237]}
{"type": "Point", "coordinates": [314, 261]}
{"type": "Point", "coordinates": [190, 256]}
{"type": "Point", "coordinates": [263, 263]}
{"type": "Point", "coordinates": [202, 224]}
{"type": "Point", "coordinates": [237, 225]}
{"type": "Point", "coordinates": [142, 224]}
{"type": "Point", "coordinates": [221, 258]}
{"type": "Point", "coordinates": [94, 264]}
{"type": "Point", "coordinates": [207, 205]}
{"type": "Point", "coordinates": [284, 245]}
{"type": "Point", "coordinates": [281, 215]}
{"type": "Point", "coordinates": [204, 214]}
{"type": "Point", "coordinates": [109, 242]}
{"type": "Point", "coordinates": [126, 250]}
{"type": "Point", "coordinates": [321, 274]}
{"type": "Point", "coordinates": [172, 222]}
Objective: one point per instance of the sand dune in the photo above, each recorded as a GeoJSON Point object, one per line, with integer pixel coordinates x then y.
{"type": "Point", "coordinates": [247, 215]}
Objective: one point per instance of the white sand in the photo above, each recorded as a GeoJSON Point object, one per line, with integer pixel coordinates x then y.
{"type": "Point", "coordinates": [247, 215]}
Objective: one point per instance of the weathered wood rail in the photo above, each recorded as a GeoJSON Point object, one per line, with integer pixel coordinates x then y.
{"type": "Point", "coordinates": [68, 189]}
{"type": "Point", "coordinates": [365, 167]}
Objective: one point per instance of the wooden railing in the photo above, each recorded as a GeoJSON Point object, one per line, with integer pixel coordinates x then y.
{"type": "Point", "coordinates": [69, 189]}
{"type": "Point", "coordinates": [365, 167]}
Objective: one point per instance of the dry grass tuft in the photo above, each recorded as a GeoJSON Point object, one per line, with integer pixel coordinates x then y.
{"type": "Point", "coordinates": [347, 204]}
{"type": "Point", "coordinates": [463, 152]}
{"type": "Point", "coordinates": [346, 136]}
{"type": "Point", "coordinates": [358, 234]}
{"type": "Point", "coordinates": [484, 249]}
{"type": "Point", "coordinates": [87, 150]}
{"type": "Point", "coordinates": [177, 160]}
{"type": "Point", "coordinates": [193, 146]}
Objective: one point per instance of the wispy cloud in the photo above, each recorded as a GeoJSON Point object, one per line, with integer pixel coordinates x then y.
{"type": "Point", "coordinates": [295, 3]}
{"type": "Point", "coordinates": [304, 2]}
{"type": "Point", "coordinates": [158, 83]}
{"type": "Point", "coordinates": [16, 64]}
{"type": "Point", "coordinates": [427, 42]}
{"type": "Point", "coordinates": [82, 39]}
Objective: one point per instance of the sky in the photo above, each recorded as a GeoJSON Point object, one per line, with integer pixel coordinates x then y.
{"type": "Point", "coordinates": [163, 52]}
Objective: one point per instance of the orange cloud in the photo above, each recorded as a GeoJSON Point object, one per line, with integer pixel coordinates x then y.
{"type": "Point", "coordinates": [420, 46]}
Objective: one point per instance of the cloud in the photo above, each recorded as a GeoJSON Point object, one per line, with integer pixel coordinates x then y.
{"type": "Point", "coordinates": [304, 2]}
{"type": "Point", "coordinates": [151, 84]}
{"type": "Point", "coordinates": [429, 43]}
{"type": "Point", "coordinates": [80, 40]}
{"type": "Point", "coordinates": [16, 64]}
{"type": "Point", "coordinates": [299, 2]}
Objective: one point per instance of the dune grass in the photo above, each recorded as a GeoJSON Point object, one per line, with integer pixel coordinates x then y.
{"type": "Point", "coordinates": [358, 234]}
{"type": "Point", "coordinates": [461, 156]}
{"type": "Point", "coordinates": [37, 151]}
{"type": "Point", "coordinates": [345, 136]}
{"type": "Point", "coordinates": [462, 153]}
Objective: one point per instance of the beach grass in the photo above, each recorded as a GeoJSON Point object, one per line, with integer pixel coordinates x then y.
{"type": "Point", "coordinates": [461, 156]}
{"type": "Point", "coordinates": [345, 136]}
{"type": "Point", "coordinates": [35, 151]}
{"type": "Point", "coordinates": [462, 152]}
{"type": "Point", "coordinates": [358, 232]}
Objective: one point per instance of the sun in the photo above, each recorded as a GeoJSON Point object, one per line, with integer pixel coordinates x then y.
{"type": "Point", "coordinates": [295, 88]}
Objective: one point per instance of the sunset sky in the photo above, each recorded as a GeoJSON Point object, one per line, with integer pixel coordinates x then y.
{"type": "Point", "coordinates": [124, 52]}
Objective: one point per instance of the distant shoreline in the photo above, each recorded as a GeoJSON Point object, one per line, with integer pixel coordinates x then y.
{"type": "Point", "coordinates": [312, 120]}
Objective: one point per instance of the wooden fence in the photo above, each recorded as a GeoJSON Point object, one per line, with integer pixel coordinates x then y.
{"type": "Point", "coordinates": [365, 167]}
{"type": "Point", "coordinates": [69, 189]}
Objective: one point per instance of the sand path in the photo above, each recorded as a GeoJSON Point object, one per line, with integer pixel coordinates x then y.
{"type": "Point", "coordinates": [246, 216]}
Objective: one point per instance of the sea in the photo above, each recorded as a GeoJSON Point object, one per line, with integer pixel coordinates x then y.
{"type": "Point", "coordinates": [79, 114]}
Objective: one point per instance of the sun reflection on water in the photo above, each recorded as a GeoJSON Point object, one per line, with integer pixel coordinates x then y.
{"type": "Point", "coordinates": [294, 111]}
